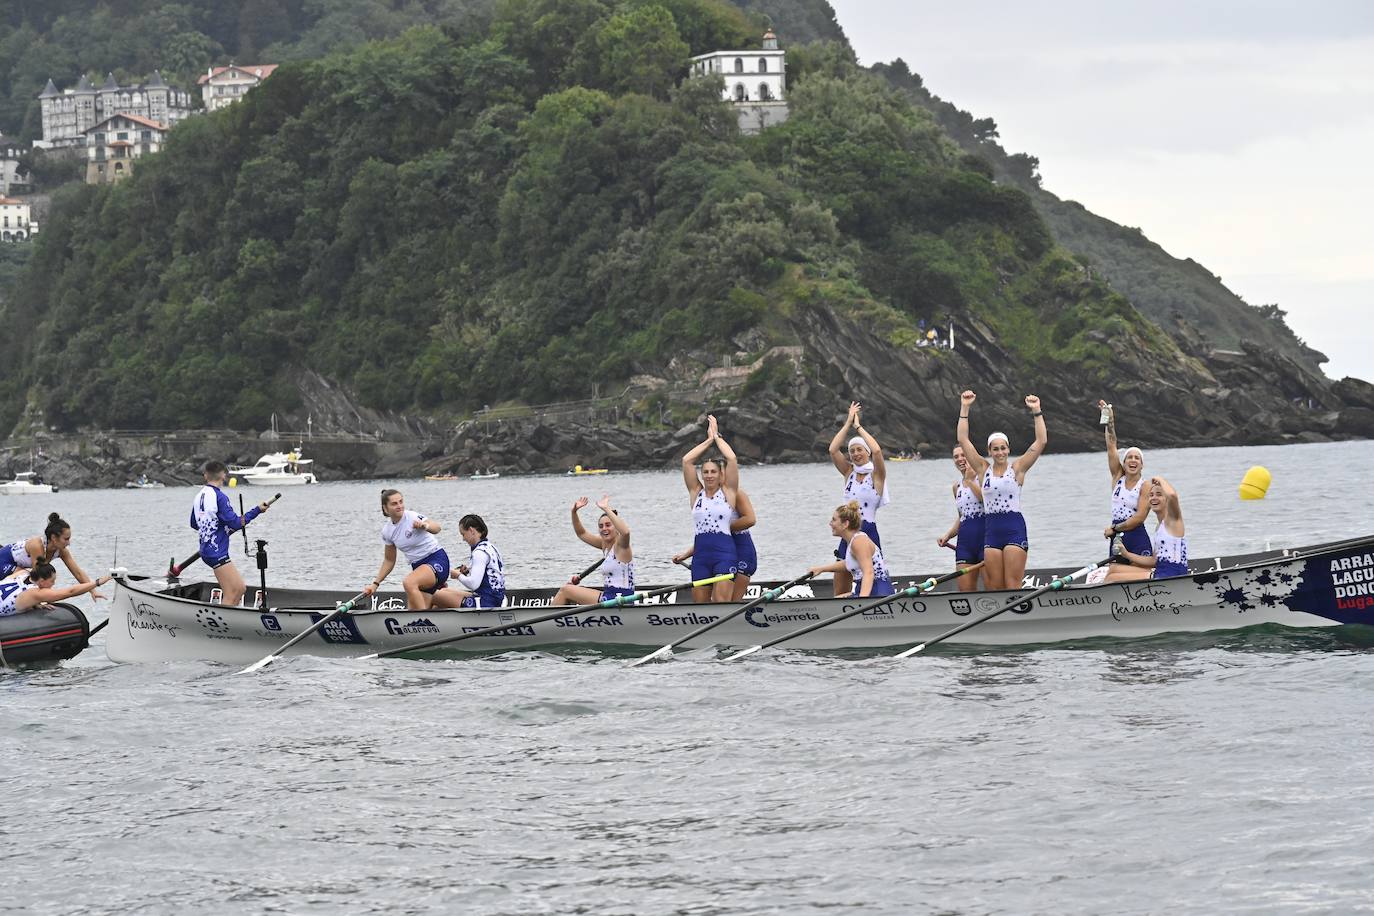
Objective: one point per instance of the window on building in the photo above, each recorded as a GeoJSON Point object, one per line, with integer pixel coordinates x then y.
{"type": "Point", "coordinates": [741, 95]}
{"type": "Point", "coordinates": [100, 138]}
{"type": "Point", "coordinates": [765, 94]}
{"type": "Point", "coordinates": [763, 65]}
{"type": "Point", "coordinates": [739, 64]}
{"type": "Point", "coordinates": [123, 135]}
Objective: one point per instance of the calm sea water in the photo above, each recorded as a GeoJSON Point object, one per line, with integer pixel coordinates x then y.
{"type": "Point", "coordinates": [1192, 774]}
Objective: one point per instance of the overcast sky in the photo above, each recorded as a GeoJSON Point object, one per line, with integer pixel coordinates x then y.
{"type": "Point", "coordinates": [1239, 134]}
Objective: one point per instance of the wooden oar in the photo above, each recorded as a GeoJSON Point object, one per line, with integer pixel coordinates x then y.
{"type": "Point", "coordinates": [319, 624]}
{"type": "Point", "coordinates": [1055, 585]}
{"type": "Point", "coordinates": [766, 596]}
{"type": "Point", "coordinates": [618, 601]}
{"type": "Point", "coordinates": [854, 612]}
{"type": "Point", "coordinates": [176, 568]}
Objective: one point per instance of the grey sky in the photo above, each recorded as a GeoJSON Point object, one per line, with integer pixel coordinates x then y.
{"type": "Point", "coordinates": [1234, 133]}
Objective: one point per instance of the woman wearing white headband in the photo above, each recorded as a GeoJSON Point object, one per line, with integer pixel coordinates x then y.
{"type": "Point", "coordinates": [1005, 542]}
{"type": "Point", "coordinates": [865, 482]}
{"type": "Point", "coordinates": [1128, 509]}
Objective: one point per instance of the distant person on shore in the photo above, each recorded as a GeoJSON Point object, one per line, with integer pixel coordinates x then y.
{"type": "Point", "coordinates": [863, 561]}
{"type": "Point", "coordinates": [968, 521]}
{"type": "Point", "coordinates": [1170, 557]}
{"type": "Point", "coordinates": [1128, 509]}
{"type": "Point", "coordinates": [483, 576]}
{"type": "Point", "coordinates": [18, 595]}
{"type": "Point", "coordinates": [714, 494]}
{"type": "Point", "coordinates": [53, 544]}
{"type": "Point", "coordinates": [612, 538]}
{"type": "Point", "coordinates": [215, 520]}
{"type": "Point", "coordinates": [861, 463]}
{"type": "Point", "coordinates": [1005, 540]}
{"type": "Point", "coordinates": [414, 535]}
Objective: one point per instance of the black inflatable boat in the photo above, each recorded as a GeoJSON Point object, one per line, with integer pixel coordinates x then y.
{"type": "Point", "coordinates": [45, 634]}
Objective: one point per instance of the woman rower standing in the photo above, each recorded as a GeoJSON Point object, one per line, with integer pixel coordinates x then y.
{"type": "Point", "coordinates": [1170, 556]}
{"type": "Point", "coordinates": [54, 543]}
{"type": "Point", "coordinates": [1128, 509]}
{"type": "Point", "coordinates": [1005, 541]}
{"type": "Point", "coordinates": [863, 561]}
{"type": "Point", "coordinates": [968, 521]}
{"type": "Point", "coordinates": [746, 555]}
{"type": "Point", "coordinates": [865, 481]}
{"type": "Point", "coordinates": [20, 595]}
{"type": "Point", "coordinates": [414, 535]}
{"type": "Point", "coordinates": [483, 576]}
{"type": "Point", "coordinates": [612, 538]}
{"type": "Point", "coordinates": [714, 496]}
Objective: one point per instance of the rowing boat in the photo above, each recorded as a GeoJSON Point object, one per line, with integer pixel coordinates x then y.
{"type": "Point", "coordinates": [47, 633]}
{"type": "Point", "coordinates": [154, 620]}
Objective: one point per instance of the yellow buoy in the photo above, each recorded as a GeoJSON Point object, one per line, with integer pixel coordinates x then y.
{"type": "Point", "coordinates": [1255, 483]}
{"type": "Point", "coordinates": [234, 482]}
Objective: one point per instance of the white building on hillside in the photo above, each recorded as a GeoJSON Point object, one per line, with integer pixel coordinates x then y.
{"type": "Point", "coordinates": [16, 225]}
{"type": "Point", "coordinates": [114, 144]}
{"type": "Point", "coordinates": [755, 81]}
{"type": "Point", "coordinates": [223, 86]}
{"type": "Point", "coordinates": [68, 114]}
{"type": "Point", "coordinates": [10, 172]}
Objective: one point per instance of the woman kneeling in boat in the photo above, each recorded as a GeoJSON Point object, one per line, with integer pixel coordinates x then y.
{"type": "Point", "coordinates": [483, 576]}
{"type": "Point", "coordinates": [1170, 557]}
{"type": "Point", "coordinates": [20, 595]}
{"type": "Point", "coordinates": [414, 535]}
{"type": "Point", "coordinates": [714, 496]}
{"type": "Point", "coordinates": [1005, 541]}
{"type": "Point", "coordinates": [53, 544]}
{"type": "Point", "coordinates": [863, 561]}
{"type": "Point", "coordinates": [865, 480]}
{"type": "Point", "coordinates": [1128, 509]}
{"type": "Point", "coordinates": [968, 522]}
{"type": "Point", "coordinates": [613, 539]}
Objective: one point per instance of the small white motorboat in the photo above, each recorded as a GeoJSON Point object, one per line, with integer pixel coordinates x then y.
{"type": "Point", "coordinates": [278, 469]}
{"type": "Point", "coordinates": [143, 483]}
{"type": "Point", "coordinates": [489, 475]}
{"type": "Point", "coordinates": [26, 483]}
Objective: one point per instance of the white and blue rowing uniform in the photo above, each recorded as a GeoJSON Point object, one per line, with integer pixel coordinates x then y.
{"type": "Point", "coordinates": [713, 548]}
{"type": "Point", "coordinates": [14, 557]}
{"type": "Point", "coordinates": [485, 578]}
{"type": "Point", "coordinates": [746, 556]}
{"type": "Point", "coordinates": [1171, 554]}
{"type": "Point", "coordinates": [215, 521]}
{"type": "Point", "coordinates": [1003, 524]}
{"type": "Point", "coordinates": [870, 501]}
{"type": "Point", "coordinates": [619, 578]}
{"type": "Point", "coordinates": [882, 582]}
{"type": "Point", "coordinates": [969, 549]}
{"type": "Point", "coordinates": [420, 547]}
{"type": "Point", "coordinates": [1125, 503]}
{"type": "Point", "coordinates": [9, 595]}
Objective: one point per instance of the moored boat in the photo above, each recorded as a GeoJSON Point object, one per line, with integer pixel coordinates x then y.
{"type": "Point", "coordinates": [441, 477]}
{"type": "Point", "coordinates": [578, 470]}
{"type": "Point", "coordinates": [143, 483]}
{"type": "Point", "coordinates": [26, 483]}
{"type": "Point", "coordinates": [487, 475]}
{"type": "Point", "coordinates": [1327, 585]}
{"type": "Point", "coordinates": [277, 469]}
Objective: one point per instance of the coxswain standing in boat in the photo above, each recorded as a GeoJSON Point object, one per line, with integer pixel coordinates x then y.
{"type": "Point", "coordinates": [968, 522]}
{"type": "Point", "coordinates": [865, 482]}
{"type": "Point", "coordinates": [1170, 557]}
{"type": "Point", "coordinates": [54, 543]}
{"type": "Point", "coordinates": [414, 534]}
{"type": "Point", "coordinates": [18, 595]}
{"type": "Point", "coordinates": [215, 520]}
{"type": "Point", "coordinates": [714, 495]}
{"type": "Point", "coordinates": [863, 562]}
{"type": "Point", "coordinates": [612, 538]}
{"type": "Point", "coordinates": [1128, 509]}
{"type": "Point", "coordinates": [483, 576]}
{"type": "Point", "coordinates": [1005, 541]}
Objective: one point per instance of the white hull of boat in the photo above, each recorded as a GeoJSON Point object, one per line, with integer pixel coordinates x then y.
{"type": "Point", "coordinates": [25, 489]}
{"type": "Point", "coordinates": [278, 480]}
{"type": "Point", "coordinates": [1306, 590]}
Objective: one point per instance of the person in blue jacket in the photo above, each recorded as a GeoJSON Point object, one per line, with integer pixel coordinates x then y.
{"type": "Point", "coordinates": [215, 521]}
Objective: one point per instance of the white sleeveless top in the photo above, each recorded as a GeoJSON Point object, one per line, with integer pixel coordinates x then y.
{"type": "Point", "coordinates": [851, 564]}
{"type": "Point", "coordinates": [1125, 500]}
{"type": "Point", "coordinates": [618, 574]}
{"type": "Point", "coordinates": [1001, 494]}
{"type": "Point", "coordinates": [864, 493]}
{"type": "Point", "coordinates": [1170, 549]}
{"type": "Point", "coordinates": [19, 555]}
{"type": "Point", "coordinates": [969, 505]}
{"type": "Point", "coordinates": [711, 514]}
{"type": "Point", "coordinates": [415, 543]}
{"type": "Point", "coordinates": [9, 595]}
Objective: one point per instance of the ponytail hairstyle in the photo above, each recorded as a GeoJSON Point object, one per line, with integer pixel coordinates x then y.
{"type": "Point", "coordinates": [474, 522]}
{"type": "Point", "coordinates": [55, 526]}
{"type": "Point", "coordinates": [386, 498]}
{"type": "Point", "coordinates": [42, 570]}
{"type": "Point", "coordinates": [851, 516]}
